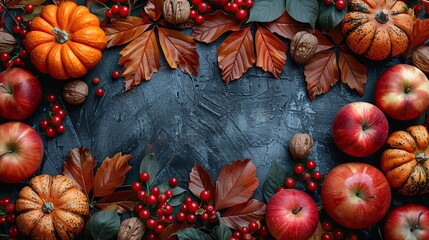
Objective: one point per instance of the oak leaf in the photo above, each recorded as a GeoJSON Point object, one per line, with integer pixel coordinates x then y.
{"type": "Point", "coordinates": [124, 30]}
{"type": "Point", "coordinates": [199, 180]}
{"type": "Point", "coordinates": [111, 174]}
{"type": "Point", "coordinates": [286, 26]}
{"type": "Point", "coordinates": [270, 52]}
{"type": "Point", "coordinates": [420, 35]}
{"type": "Point", "coordinates": [236, 54]}
{"type": "Point", "coordinates": [235, 184]}
{"type": "Point", "coordinates": [353, 73]}
{"type": "Point", "coordinates": [123, 200]}
{"type": "Point", "coordinates": [241, 215]}
{"type": "Point", "coordinates": [79, 167]}
{"type": "Point", "coordinates": [214, 26]}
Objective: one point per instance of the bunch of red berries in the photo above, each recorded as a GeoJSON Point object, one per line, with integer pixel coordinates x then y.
{"type": "Point", "coordinates": [53, 125]}
{"type": "Point", "coordinates": [7, 218]}
{"type": "Point", "coordinates": [253, 231]}
{"type": "Point", "coordinates": [238, 8]}
{"type": "Point", "coordinates": [339, 4]}
{"type": "Point", "coordinates": [333, 231]}
{"type": "Point", "coordinates": [198, 9]}
{"type": "Point", "coordinates": [305, 173]}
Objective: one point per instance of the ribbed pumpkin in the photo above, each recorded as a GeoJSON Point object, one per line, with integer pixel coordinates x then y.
{"type": "Point", "coordinates": [51, 207]}
{"type": "Point", "coordinates": [65, 41]}
{"type": "Point", "coordinates": [377, 29]}
{"type": "Point", "coordinates": [405, 162]}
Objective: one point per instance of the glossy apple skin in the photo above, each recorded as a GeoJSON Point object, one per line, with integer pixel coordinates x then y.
{"type": "Point", "coordinates": [402, 219]}
{"type": "Point", "coordinates": [360, 129]}
{"type": "Point", "coordinates": [356, 195]}
{"type": "Point", "coordinates": [283, 223]}
{"type": "Point", "coordinates": [27, 155]}
{"type": "Point", "coordinates": [20, 94]}
{"type": "Point", "coordinates": [402, 92]}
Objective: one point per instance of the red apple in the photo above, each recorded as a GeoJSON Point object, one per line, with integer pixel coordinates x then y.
{"type": "Point", "coordinates": [20, 93]}
{"type": "Point", "coordinates": [409, 221]}
{"type": "Point", "coordinates": [402, 92]}
{"type": "Point", "coordinates": [291, 214]}
{"type": "Point", "coordinates": [356, 195]}
{"type": "Point", "coordinates": [21, 151]}
{"type": "Point", "coordinates": [360, 129]}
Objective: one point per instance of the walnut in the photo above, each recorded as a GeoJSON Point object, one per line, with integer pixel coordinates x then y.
{"type": "Point", "coordinates": [300, 145]}
{"type": "Point", "coordinates": [176, 11]}
{"type": "Point", "coordinates": [75, 92]}
{"type": "Point", "coordinates": [131, 229]}
{"type": "Point", "coordinates": [7, 42]}
{"type": "Point", "coordinates": [303, 46]}
{"type": "Point", "coordinates": [420, 58]}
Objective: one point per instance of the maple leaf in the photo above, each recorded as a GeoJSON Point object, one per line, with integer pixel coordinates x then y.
{"type": "Point", "coordinates": [235, 184]}
{"type": "Point", "coordinates": [236, 54]}
{"type": "Point", "coordinates": [179, 50]}
{"type": "Point", "coordinates": [124, 30]}
{"type": "Point", "coordinates": [123, 200]}
{"type": "Point", "coordinates": [79, 167]}
{"type": "Point", "coordinates": [199, 180]}
{"type": "Point", "coordinates": [241, 215]}
{"type": "Point", "coordinates": [111, 174]}
{"type": "Point", "coordinates": [286, 26]}
{"type": "Point", "coordinates": [420, 35]}
{"type": "Point", "coordinates": [270, 52]}
{"type": "Point", "coordinates": [353, 73]}
{"type": "Point", "coordinates": [215, 24]}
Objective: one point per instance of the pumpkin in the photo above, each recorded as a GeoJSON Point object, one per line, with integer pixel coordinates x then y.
{"type": "Point", "coordinates": [405, 161]}
{"type": "Point", "coordinates": [377, 29]}
{"type": "Point", "coordinates": [51, 207]}
{"type": "Point", "coordinates": [65, 41]}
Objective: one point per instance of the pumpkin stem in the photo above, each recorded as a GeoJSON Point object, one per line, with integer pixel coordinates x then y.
{"type": "Point", "coordinates": [382, 16]}
{"type": "Point", "coordinates": [295, 211]}
{"type": "Point", "coordinates": [417, 223]}
{"type": "Point", "coordinates": [6, 89]}
{"type": "Point", "coordinates": [421, 157]}
{"type": "Point", "coordinates": [9, 151]}
{"type": "Point", "coordinates": [47, 207]}
{"type": "Point", "coordinates": [60, 35]}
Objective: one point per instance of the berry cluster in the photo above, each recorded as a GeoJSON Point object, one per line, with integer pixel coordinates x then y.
{"type": "Point", "coordinates": [339, 4]}
{"type": "Point", "coordinates": [7, 218]}
{"type": "Point", "coordinates": [53, 125]}
{"type": "Point", "coordinates": [99, 92]}
{"type": "Point", "coordinates": [305, 173]}
{"type": "Point", "coordinates": [116, 9]}
{"type": "Point", "coordinates": [333, 231]}
{"type": "Point", "coordinates": [238, 8]}
{"type": "Point", "coordinates": [253, 231]}
{"type": "Point", "coordinates": [198, 9]}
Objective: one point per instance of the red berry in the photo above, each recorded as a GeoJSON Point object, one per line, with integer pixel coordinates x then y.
{"type": "Point", "coordinates": [247, 236]}
{"type": "Point", "coordinates": [5, 201]}
{"type": "Point", "coordinates": [326, 236]}
{"type": "Point", "coordinates": [11, 217]}
{"type": "Point", "coordinates": [278, 189]}
{"type": "Point", "coordinates": [19, 19]}
{"type": "Point", "coordinates": [191, 218]}
{"type": "Point", "coordinates": [124, 11]}
{"type": "Point", "coordinates": [141, 194]}
{"type": "Point", "coordinates": [205, 216]}
{"type": "Point", "coordinates": [23, 53]}
{"type": "Point", "coordinates": [159, 212]}
{"type": "Point", "coordinates": [23, 33]}
{"type": "Point", "coordinates": [298, 169]}
{"type": "Point", "coordinates": [115, 8]}
{"type": "Point", "coordinates": [108, 13]}
{"type": "Point", "coordinates": [306, 176]}
{"type": "Point", "coordinates": [7, 64]}
{"type": "Point", "coordinates": [51, 98]}
{"type": "Point", "coordinates": [202, 7]}
{"type": "Point", "coordinates": [311, 165]}
{"type": "Point", "coordinates": [168, 193]}
{"type": "Point", "coordinates": [29, 8]}
{"type": "Point", "coordinates": [328, 2]}
{"type": "Point", "coordinates": [244, 230]}
{"type": "Point", "coordinates": [17, 61]}
{"type": "Point", "coordinates": [170, 219]}
{"type": "Point", "coordinates": [60, 129]}
{"type": "Point", "coordinates": [181, 216]}
{"type": "Point", "coordinates": [210, 208]}
{"type": "Point", "coordinates": [116, 74]}
{"type": "Point", "coordinates": [317, 175]}
{"type": "Point", "coordinates": [95, 81]}
{"type": "Point", "coordinates": [248, 4]}
{"type": "Point", "coordinates": [188, 200]}
{"type": "Point", "coordinates": [144, 214]}
{"type": "Point", "coordinates": [61, 113]}
{"type": "Point", "coordinates": [192, 13]}
{"type": "Point", "coordinates": [241, 14]}
{"type": "Point", "coordinates": [338, 233]}
{"type": "Point", "coordinates": [340, 4]}
{"type": "Point", "coordinates": [151, 223]}
{"type": "Point", "coordinates": [43, 124]}
{"type": "Point", "coordinates": [10, 207]}
{"type": "Point", "coordinates": [50, 132]}
{"type": "Point", "coordinates": [311, 186]}
{"type": "Point", "coordinates": [155, 191]}
{"type": "Point", "coordinates": [199, 19]}
{"type": "Point", "coordinates": [138, 207]}
{"type": "Point", "coordinates": [151, 199]}
{"type": "Point", "coordinates": [3, 219]}
{"type": "Point", "coordinates": [56, 107]}
{"type": "Point", "coordinates": [227, 7]}
{"type": "Point", "coordinates": [192, 207]}
{"type": "Point", "coordinates": [196, 2]}
{"type": "Point", "coordinates": [158, 228]}
{"type": "Point", "coordinates": [205, 195]}
{"type": "Point", "coordinates": [162, 198]}
{"type": "Point", "coordinates": [144, 176]}
{"type": "Point", "coordinates": [136, 186]}
{"type": "Point", "coordinates": [290, 182]}
{"type": "Point", "coordinates": [233, 238]}
{"type": "Point", "coordinates": [253, 226]}
{"type": "Point", "coordinates": [4, 56]}
{"type": "Point", "coordinates": [239, 2]}
{"type": "Point", "coordinates": [1, 8]}
{"type": "Point", "coordinates": [417, 8]}
{"type": "Point", "coordinates": [168, 209]}
{"type": "Point", "coordinates": [327, 226]}
{"type": "Point", "coordinates": [151, 236]}
{"type": "Point", "coordinates": [99, 92]}
{"type": "Point", "coordinates": [13, 231]}
{"type": "Point", "coordinates": [55, 120]}
{"type": "Point", "coordinates": [237, 234]}
{"type": "Point", "coordinates": [16, 29]}
{"type": "Point", "coordinates": [233, 7]}
{"type": "Point", "coordinates": [183, 207]}
{"type": "Point", "coordinates": [173, 182]}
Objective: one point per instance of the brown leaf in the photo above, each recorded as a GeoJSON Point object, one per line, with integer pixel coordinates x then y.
{"type": "Point", "coordinates": [172, 228]}
{"type": "Point", "coordinates": [124, 30]}
{"type": "Point", "coordinates": [235, 184]}
{"type": "Point", "coordinates": [286, 26]}
{"type": "Point", "coordinates": [270, 52]}
{"type": "Point", "coordinates": [154, 9]}
{"type": "Point", "coordinates": [141, 59]}
{"type": "Point", "coordinates": [15, 4]}
{"type": "Point", "coordinates": [241, 215]}
{"type": "Point", "coordinates": [36, 12]}
{"type": "Point", "coordinates": [336, 35]}
{"type": "Point", "coordinates": [323, 42]}
{"type": "Point", "coordinates": [79, 167]}
{"type": "Point", "coordinates": [123, 200]}
{"type": "Point", "coordinates": [57, 2]}
{"type": "Point", "coordinates": [236, 54]}
{"type": "Point", "coordinates": [111, 174]}
{"type": "Point", "coordinates": [321, 72]}
{"type": "Point", "coordinates": [317, 235]}
{"type": "Point", "coordinates": [180, 50]}
{"type": "Point", "coordinates": [2, 24]}
{"type": "Point", "coordinates": [420, 35]}
{"type": "Point", "coordinates": [353, 72]}
{"type": "Point", "coordinates": [214, 26]}
{"type": "Point", "coordinates": [199, 180]}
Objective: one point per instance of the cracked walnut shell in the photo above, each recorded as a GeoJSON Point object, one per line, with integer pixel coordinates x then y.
{"type": "Point", "coordinates": [75, 92]}
{"type": "Point", "coordinates": [7, 42]}
{"type": "Point", "coordinates": [420, 58]}
{"type": "Point", "coordinates": [303, 46]}
{"type": "Point", "coordinates": [176, 11]}
{"type": "Point", "coordinates": [131, 229]}
{"type": "Point", "coordinates": [300, 146]}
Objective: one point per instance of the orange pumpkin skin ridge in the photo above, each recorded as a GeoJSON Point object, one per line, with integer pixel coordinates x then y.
{"type": "Point", "coordinates": [54, 33]}
{"type": "Point", "coordinates": [405, 162]}
{"type": "Point", "coordinates": [64, 218]}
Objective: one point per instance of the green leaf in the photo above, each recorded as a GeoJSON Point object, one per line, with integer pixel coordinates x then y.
{"type": "Point", "coordinates": [178, 194]}
{"type": "Point", "coordinates": [221, 231]}
{"type": "Point", "coordinates": [98, 9]}
{"type": "Point", "coordinates": [103, 225]}
{"type": "Point", "coordinates": [329, 16]}
{"type": "Point", "coordinates": [192, 234]}
{"type": "Point", "coordinates": [266, 10]}
{"type": "Point", "coordinates": [305, 11]}
{"type": "Point", "coordinates": [150, 165]}
{"type": "Point", "coordinates": [275, 179]}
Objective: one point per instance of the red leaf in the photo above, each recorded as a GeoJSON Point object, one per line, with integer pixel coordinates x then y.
{"type": "Point", "coordinates": [235, 184]}
{"type": "Point", "coordinates": [79, 167]}
{"type": "Point", "coordinates": [286, 26]}
{"type": "Point", "coordinates": [321, 72]}
{"type": "Point", "coordinates": [270, 52]}
{"type": "Point", "coordinates": [420, 35]}
{"type": "Point", "coordinates": [140, 58]}
{"type": "Point", "coordinates": [124, 30]}
{"type": "Point", "coordinates": [199, 180]}
{"type": "Point", "coordinates": [323, 43]}
{"type": "Point", "coordinates": [2, 24]}
{"type": "Point", "coordinates": [179, 49]}
{"type": "Point", "coordinates": [111, 174]}
{"type": "Point", "coordinates": [236, 54]}
{"type": "Point", "coordinates": [352, 72]}
{"type": "Point", "coordinates": [172, 228]}
{"type": "Point", "coordinates": [241, 215]}
{"type": "Point", "coordinates": [124, 200]}
{"type": "Point", "coordinates": [15, 4]}
{"type": "Point", "coordinates": [154, 9]}
{"type": "Point", "coordinates": [214, 26]}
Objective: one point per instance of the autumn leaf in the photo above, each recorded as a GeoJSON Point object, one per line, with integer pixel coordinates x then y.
{"type": "Point", "coordinates": [235, 184]}
{"type": "Point", "coordinates": [124, 30]}
{"type": "Point", "coordinates": [16, 4]}
{"type": "Point", "coordinates": [317, 235]}
{"type": "Point", "coordinates": [123, 200]}
{"type": "Point", "coordinates": [270, 52]}
{"type": "Point", "coordinates": [154, 9]}
{"type": "Point", "coordinates": [199, 180]}
{"type": "Point", "coordinates": [57, 2]}
{"type": "Point", "coordinates": [35, 13]}
{"type": "Point", "coordinates": [321, 72]}
{"type": "Point", "coordinates": [236, 54]}
{"type": "Point", "coordinates": [241, 215]}
{"type": "Point", "coordinates": [323, 43]}
{"type": "Point", "coordinates": [180, 50]}
{"type": "Point", "coordinates": [420, 35]}
{"type": "Point", "coordinates": [353, 73]}
{"type": "Point", "coordinates": [2, 24]}
{"type": "Point", "coordinates": [141, 59]}
{"type": "Point", "coordinates": [111, 174]}
{"type": "Point", "coordinates": [79, 167]}
{"type": "Point", "coordinates": [214, 26]}
{"type": "Point", "coordinates": [286, 26]}
{"type": "Point", "coordinates": [172, 228]}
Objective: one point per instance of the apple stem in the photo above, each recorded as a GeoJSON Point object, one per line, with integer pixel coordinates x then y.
{"type": "Point", "coordinates": [295, 211]}
{"type": "Point", "coordinates": [418, 222]}
{"type": "Point", "coordinates": [5, 88]}
{"type": "Point", "coordinates": [9, 151]}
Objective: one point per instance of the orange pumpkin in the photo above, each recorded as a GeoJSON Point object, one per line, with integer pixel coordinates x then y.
{"type": "Point", "coordinates": [377, 29]}
{"type": "Point", "coordinates": [51, 206]}
{"type": "Point", "coordinates": [65, 41]}
{"type": "Point", "coordinates": [405, 162]}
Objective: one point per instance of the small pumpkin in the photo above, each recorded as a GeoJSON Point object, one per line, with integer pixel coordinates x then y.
{"type": "Point", "coordinates": [50, 207]}
{"type": "Point", "coordinates": [65, 41]}
{"type": "Point", "coordinates": [378, 29]}
{"type": "Point", "coordinates": [405, 162]}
